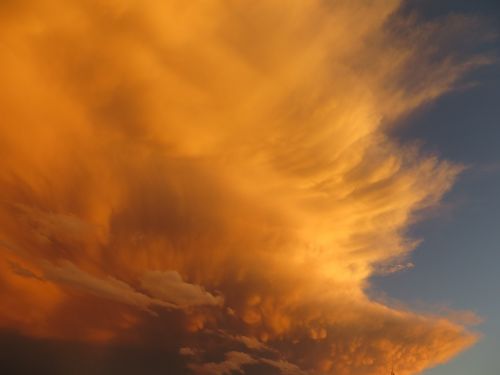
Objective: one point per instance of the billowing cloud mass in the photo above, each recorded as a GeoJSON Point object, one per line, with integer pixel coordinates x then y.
{"type": "Point", "coordinates": [216, 180]}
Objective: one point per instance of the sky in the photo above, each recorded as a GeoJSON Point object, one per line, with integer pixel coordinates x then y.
{"type": "Point", "coordinates": [455, 266]}
{"type": "Point", "coordinates": [230, 187]}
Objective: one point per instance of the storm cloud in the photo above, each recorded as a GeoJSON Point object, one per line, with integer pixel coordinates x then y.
{"type": "Point", "coordinates": [215, 180]}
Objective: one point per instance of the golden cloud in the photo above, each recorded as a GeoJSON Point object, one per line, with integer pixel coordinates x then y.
{"type": "Point", "coordinates": [225, 164]}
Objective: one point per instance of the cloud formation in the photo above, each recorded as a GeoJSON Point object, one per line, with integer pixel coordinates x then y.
{"type": "Point", "coordinates": [227, 165]}
{"type": "Point", "coordinates": [233, 363]}
{"type": "Point", "coordinates": [169, 286]}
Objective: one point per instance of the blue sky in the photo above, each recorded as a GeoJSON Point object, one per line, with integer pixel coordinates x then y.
{"type": "Point", "coordinates": [457, 265]}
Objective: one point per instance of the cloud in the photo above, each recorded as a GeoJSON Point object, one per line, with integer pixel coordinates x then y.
{"type": "Point", "coordinates": [251, 342]}
{"type": "Point", "coordinates": [394, 268]}
{"type": "Point", "coordinates": [286, 368]}
{"type": "Point", "coordinates": [228, 165]}
{"type": "Point", "coordinates": [233, 363]}
{"type": "Point", "coordinates": [169, 286]}
{"type": "Point", "coordinates": [187, 351]}
{"type": "Point", "coordinates": [24, 272]}
{"type": "Point", "coordinates": [109, 288]}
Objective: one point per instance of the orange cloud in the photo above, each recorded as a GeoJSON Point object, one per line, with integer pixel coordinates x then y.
{"type": "Point", "coordinates": [227, 166]}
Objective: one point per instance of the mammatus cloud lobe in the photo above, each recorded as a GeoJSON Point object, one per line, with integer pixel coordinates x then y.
{"type": "Point", "coordinates": [224, 166]}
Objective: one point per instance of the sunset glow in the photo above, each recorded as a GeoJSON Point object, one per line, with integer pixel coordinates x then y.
{"type": "Point", "coordinates": [216, 181]}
